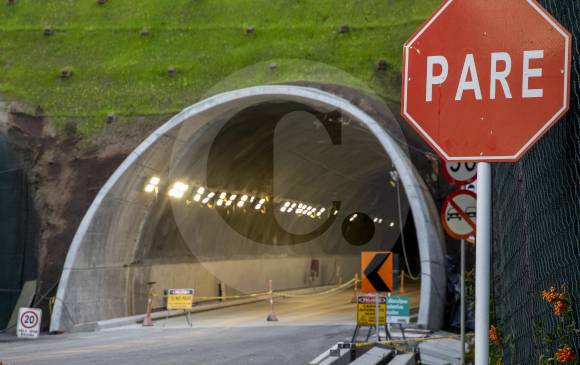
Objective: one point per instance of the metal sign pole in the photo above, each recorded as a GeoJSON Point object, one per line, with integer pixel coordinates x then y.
{"type": "Point", "coordinates": [482, 263]}
{"type": "Point", "coordinates": [462, 310]}
{"type": "Point", "coordinates": [377, 316]}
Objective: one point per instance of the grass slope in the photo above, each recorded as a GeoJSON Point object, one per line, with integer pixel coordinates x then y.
{"type": "Point", "coordinates": [116, 69]}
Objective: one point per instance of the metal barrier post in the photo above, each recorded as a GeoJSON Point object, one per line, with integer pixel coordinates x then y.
{"type": "Point", "coordinates": [272, 316]}
{"type": "Point", "coordinates": [355, 292]}
{"type": "Point", "coordinates": [223, 291]}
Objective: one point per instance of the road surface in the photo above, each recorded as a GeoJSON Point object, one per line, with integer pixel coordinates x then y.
{"type": "Point", "coordinates": [235, 335]}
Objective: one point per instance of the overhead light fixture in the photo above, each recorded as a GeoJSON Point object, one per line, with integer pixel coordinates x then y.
{"type": "Point", "coordinates": [335, 212]}
{"type": "Point", "coordinates": [244, 198]}
{"type": "Point", "coordinates": [220, 202]}
{"type": "Point", "coordinates": [380, 220]}
{"type": "Point", "coordinates": [228, 203]}
{"type": "Point", "coordinates": [258, 206]}
{"type": "Point", "coordinates": [353, 217]}
{"type": "Point", "coordinates": [197, 197]}
{"type": "Point", "coordinates": [252, 199]}
{"type": "Point", "coordinates": [211, 195]}
{"type": "Point", "coordinates": [205, 200]}
{"type": "Point", "coordinates": [286, 204]}
{"type": "Point", "coordinates": [322, 210]}
{"type": "Point", "coordinates": [283, 209]}
{"type": "Point", "coordinates": [392, 224]}
{"type": "Point", "coordinates": [293, 205]}
{"type": "Point", "coordinates": [261, 201]}
{"type": "Point", "coordinates": [375, 220]}
{"type": "Point", "coordinates": [240, 203]}
{"type": "Point", "coordinates": [233, 197]}
{"type": "Point", "coordinates": [178, 190]}
{"type": "Point", "coordinates": [201, 190]}
{"type": "Point", "coordinates": [152, 184]}
{"type": "Point", "coordinates": [223, 195]}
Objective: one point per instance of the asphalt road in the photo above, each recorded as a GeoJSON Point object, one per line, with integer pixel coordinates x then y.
{"type": "Point", "coordinates": [235, 335]}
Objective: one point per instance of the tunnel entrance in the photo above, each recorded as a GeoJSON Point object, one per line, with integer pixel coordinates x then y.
{"type": "Point", "coordinates": [263, 183]}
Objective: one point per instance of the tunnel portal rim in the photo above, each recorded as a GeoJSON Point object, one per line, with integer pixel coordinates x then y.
{"type": "Point", "coordinates": [432, 255]}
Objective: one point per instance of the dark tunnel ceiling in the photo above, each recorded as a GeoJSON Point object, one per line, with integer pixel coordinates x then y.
{"type": "Point", "coordinates": [285, 151]}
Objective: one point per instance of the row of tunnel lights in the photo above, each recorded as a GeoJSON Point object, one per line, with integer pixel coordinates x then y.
{"type": "Point", "coordinates": [178, 190]}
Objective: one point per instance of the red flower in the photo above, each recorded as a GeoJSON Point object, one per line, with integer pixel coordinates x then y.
{"type": "Point", "coordinates": [560, 308]}
{"type": "Point", "coordinates": [493, 335]}
{"type": "Point", "coordinates": [550, 295]}
{"type": "Point", "coordinates": [565, 355]}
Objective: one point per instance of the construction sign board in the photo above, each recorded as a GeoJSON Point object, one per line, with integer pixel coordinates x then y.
{"type": "Point", "coordinates": [179, 298]}
{"type": "Point", "coordinates": [366, 310]}
{"type": "Point", "coordinates": [377, 272]}
{"type": "Point", "coordinates": [398, 309]}
{"type": "Point", "coordinates": [29, 320]}
{"type": "Point", "coordinates": [459, 213]}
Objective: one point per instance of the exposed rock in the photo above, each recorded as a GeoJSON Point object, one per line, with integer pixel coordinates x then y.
{"type": "Point", "coordinates": [66, 72]}
{"type": "Point", "coordinates": [382, 65]}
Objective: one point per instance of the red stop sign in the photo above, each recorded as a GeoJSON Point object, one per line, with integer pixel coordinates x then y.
{"type": "Point", "coordinates": [484, 80]}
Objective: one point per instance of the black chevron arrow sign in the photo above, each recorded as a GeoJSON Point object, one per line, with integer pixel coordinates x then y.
{"type": "Point", "coordinates": [372, 272]}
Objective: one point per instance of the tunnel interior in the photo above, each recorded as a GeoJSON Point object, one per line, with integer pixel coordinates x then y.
{"type": "Point", "coordinates": [276, 180]}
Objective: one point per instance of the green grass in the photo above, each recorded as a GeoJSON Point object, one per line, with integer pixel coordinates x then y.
{"type": "Point", "coordinates": [115, 69]}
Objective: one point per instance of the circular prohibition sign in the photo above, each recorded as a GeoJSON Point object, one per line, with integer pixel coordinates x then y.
{"type": "Point", "coordinates": [458, 214]}
{"type": "Point", "coordinates": [460, 173]}
{"type": "Point", "coordinates": [28, 319]}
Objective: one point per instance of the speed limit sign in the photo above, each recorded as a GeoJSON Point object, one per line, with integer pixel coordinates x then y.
{"type": "Point", "coordinates": [460, 173]}
{"type": "Point", "coordinates": [29, 322]}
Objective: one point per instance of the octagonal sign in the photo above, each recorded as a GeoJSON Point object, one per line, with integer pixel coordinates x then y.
{"type": "Point", "coordinates": [484, 80]}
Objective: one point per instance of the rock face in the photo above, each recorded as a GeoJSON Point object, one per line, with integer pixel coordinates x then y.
{"type": "Point", "coordinates": [64, 178]}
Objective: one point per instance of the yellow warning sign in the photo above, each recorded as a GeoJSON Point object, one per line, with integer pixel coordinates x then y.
{"type": "Point", "coordinates": [179, 298]}
{"type": "Point", "coordinates": [366, 309]}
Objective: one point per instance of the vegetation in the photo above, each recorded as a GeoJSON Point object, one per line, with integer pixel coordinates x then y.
{"type": "Point", "coordinates": [82, 60]}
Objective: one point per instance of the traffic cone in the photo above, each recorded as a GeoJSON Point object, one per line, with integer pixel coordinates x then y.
{"type": "Point", "coordinates": [402, 286]}
{"type": "Point", "coordinates": [148, 321]}
{"type": "Point", "coordinates": [272, 315]}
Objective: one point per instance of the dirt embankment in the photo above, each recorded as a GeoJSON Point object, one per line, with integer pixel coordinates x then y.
{"type": "Point", "coordinates": [64, 177]}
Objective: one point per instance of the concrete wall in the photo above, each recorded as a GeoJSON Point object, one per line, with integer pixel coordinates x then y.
{"type": "Point", "coordinates": [240, 276]}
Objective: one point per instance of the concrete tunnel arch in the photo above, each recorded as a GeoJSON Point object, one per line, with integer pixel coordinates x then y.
{"type": "Point", "coordinates": [97, 264]}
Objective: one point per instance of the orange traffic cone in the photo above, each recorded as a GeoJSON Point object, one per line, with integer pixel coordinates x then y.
{"type": "Point", "coordinates": [402, 286]}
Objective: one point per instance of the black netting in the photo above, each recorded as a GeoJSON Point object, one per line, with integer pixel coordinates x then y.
{"type": "Point", "coordinates": [537, 223]}
{"type": "Point", "coordinates": [18, 233]}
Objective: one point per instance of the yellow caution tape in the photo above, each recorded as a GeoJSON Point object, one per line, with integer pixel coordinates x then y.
{"type": "Point", "coordinates": [278, 294]}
